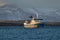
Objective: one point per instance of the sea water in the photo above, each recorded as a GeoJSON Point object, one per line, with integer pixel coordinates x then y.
{"type": "Point", "coordinates": [21, 33]}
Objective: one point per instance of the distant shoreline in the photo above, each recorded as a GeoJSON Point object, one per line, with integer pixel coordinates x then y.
{"type": "Point", "coordinates": [20, 23]}
{"type": "Point", "coordinates": [52, 23]}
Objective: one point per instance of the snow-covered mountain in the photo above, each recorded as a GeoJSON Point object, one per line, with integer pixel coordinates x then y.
{"type": "Point", "coordinates": [13, 13]}
{"type": "Point", "coordinates": [10, 12]}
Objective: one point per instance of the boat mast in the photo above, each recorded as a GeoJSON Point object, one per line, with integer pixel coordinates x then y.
{"type": "Point", "coordinates": [37, 15]}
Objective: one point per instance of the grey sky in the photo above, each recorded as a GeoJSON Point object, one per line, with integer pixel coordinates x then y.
{"type": "Point", "coordinates": [35, 3]}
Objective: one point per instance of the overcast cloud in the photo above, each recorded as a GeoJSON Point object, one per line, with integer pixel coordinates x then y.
{"type": "Point", "coordinates": [14, 9]}
{"type": "Point", "coordinates": [35, 3]}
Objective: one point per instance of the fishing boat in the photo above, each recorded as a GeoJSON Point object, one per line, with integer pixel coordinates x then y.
{"type": "Point", "coordinates": [33, 23]}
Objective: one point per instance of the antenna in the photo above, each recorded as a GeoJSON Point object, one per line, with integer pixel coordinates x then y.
{"type": "Point", "coordinates": [37, 15]}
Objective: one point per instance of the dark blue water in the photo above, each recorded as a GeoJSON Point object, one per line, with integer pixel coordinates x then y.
{"type": "Point", "coordinates": [21, 33]}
